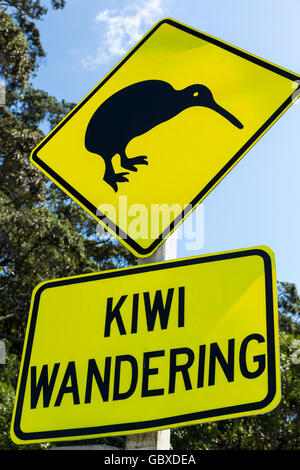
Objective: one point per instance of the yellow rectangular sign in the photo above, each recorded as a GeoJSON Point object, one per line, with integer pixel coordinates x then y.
{"type": "Point", "coordinates": [150, 347]}
{"type": "Point", "coordinates": [162, 129]}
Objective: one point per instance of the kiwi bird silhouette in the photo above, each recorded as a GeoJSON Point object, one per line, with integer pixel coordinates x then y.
{"type": "Point", "coordinates": [133, 111]}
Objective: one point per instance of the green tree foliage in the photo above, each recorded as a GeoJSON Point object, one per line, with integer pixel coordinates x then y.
{"type": "Point", "coordinates": [20, 39]}
{"type": "Point", "coordinates": [277, 430]}
{"type": "Point", "coordinates": [43, 234]}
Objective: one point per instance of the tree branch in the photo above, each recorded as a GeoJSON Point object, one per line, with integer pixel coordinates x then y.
{"type": "Point", "coordinates": [12, 338]}
{"type": "Point", "coordinates": [10, 315]}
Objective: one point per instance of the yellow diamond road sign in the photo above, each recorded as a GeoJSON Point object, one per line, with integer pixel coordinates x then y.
{"type": "Point", "coordinates": [142, 348]}
{"type": "Point", "coordinates": [160, 131]}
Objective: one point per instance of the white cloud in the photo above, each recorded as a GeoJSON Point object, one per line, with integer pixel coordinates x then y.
{"type": "Point", "coordinates": [121, 29]}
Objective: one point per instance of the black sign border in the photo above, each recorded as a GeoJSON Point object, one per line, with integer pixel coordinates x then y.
{"type": "Point", "coordinates": [120, 234]}
{"type": "Point", "coordinates": [149, 425]}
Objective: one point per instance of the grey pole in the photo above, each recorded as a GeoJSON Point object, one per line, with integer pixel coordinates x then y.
{"type": "Point", "coordinates": [159, 440]}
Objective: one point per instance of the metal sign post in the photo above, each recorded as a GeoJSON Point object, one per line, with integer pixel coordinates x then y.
{"type": "Point", "coordinates": [159, 440]}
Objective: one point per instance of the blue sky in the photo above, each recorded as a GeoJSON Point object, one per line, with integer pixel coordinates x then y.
{"type": "Point", "coordinates": [258, 202]}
